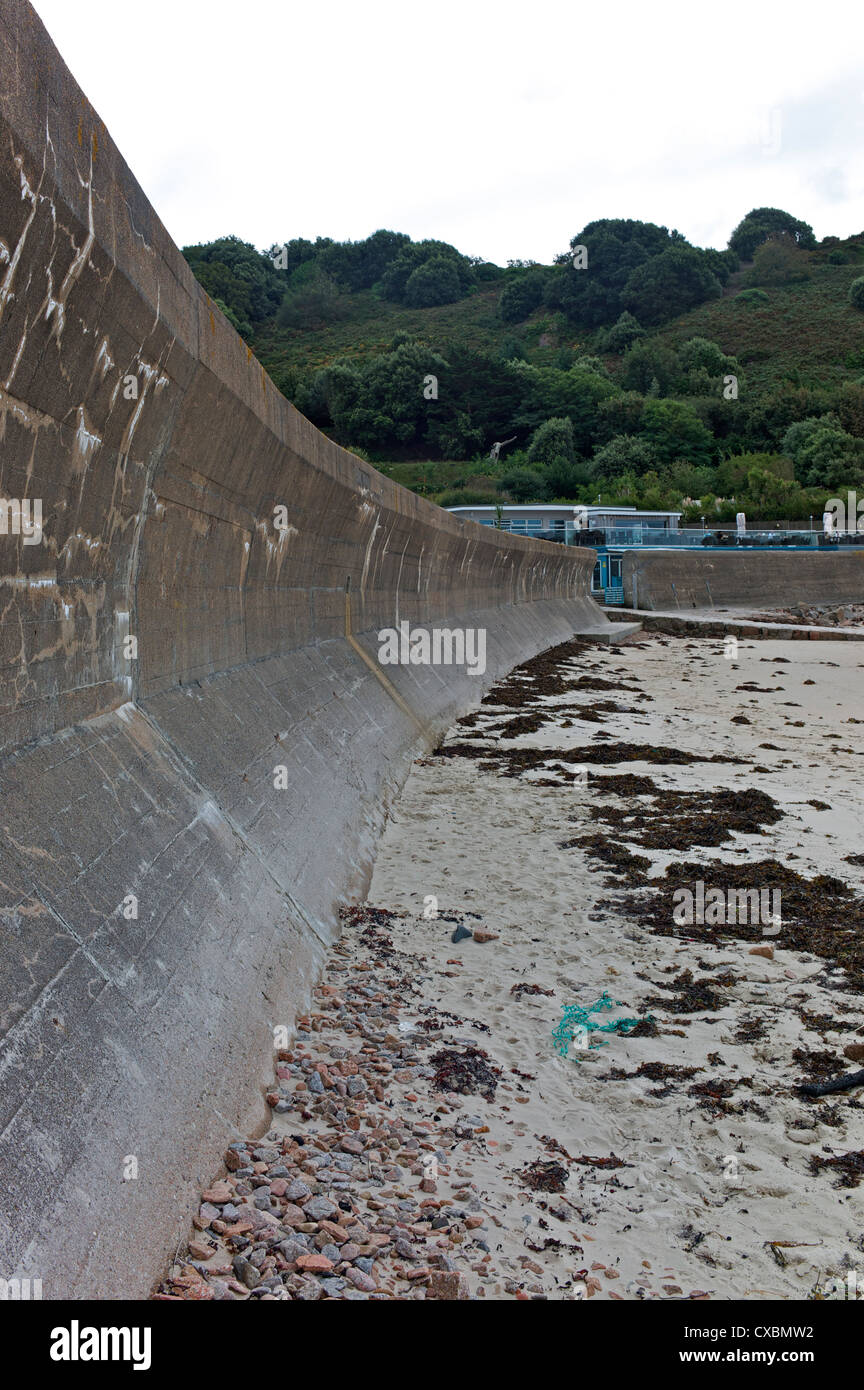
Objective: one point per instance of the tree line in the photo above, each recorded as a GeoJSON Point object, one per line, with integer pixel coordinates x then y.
{"type": "Point", "coordinates": [630, 419]}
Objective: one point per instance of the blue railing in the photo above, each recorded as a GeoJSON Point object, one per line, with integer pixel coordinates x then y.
{"type": "Point", "coordinates": [639, 534]}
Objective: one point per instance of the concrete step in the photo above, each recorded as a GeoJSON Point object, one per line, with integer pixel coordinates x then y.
{"type": "Point", "coordinates": [610, 632]}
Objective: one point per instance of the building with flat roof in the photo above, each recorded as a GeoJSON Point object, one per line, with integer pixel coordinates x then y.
{"type": "Point", "coordinates": [565, 517]}
{"type": "Point", "coordinates": [600, 527]}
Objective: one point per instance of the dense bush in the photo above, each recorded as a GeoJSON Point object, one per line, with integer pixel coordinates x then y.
{"type": "Point", "coordinates": [704, 368]}
{"type": "Point", "coordinates": [761, 223]}
{"type": "Point", "coordinates": [615, 248]}
{"type": "Point", "coordinates": [313, 299]}
{"type": "Point", "coordinates": [856, 293]}
{"type": "Point", "coordinates": [576, 394]}
{"type": "Point", "coordinates": [238, 276]}
{"type": "Point", "coordinates": [395, 279]}
{"type": "Point", "coordinates": [674, 431]}
{"type": "Point", "coordinates": [436, 281]}
{"type": "Point", "coordinates": [670, 284]}
{"type": "Point", "coordinates": [625, 453]}
{"type": "Point", "coordinates": [778, 261]}
{"type": "Point", "coordinates": [623, 333]}
{"type": "Point", "coordinates": [649, 367]}
{"type": "Point", "coordinates": [620, 415]}
{"type": "Point", "coordinates": [241, 326]}
{"type": "Point", "coordinates": [824, 453]}
{"type": "Point", "coordinates": [463, 497]}
{"type": "Point", "coordinates": [521, 296]}
{"type": "Point", "coordinates": [732, 472]}
{"type": "Point", "coordinates": [524, 485]}
{"type": "Point", "coordinates": [552, 443]}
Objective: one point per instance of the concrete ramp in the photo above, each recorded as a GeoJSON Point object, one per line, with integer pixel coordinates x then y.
{"type": "Point", "coordinates": [198, 743]}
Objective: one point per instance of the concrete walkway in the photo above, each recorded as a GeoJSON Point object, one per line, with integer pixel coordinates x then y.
{"type": "Point", "coordinates": [709, 622]}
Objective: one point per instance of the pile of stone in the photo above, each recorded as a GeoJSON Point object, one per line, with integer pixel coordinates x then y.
{"type": "Point", "coordinates": [817, 615]}
{"type": "Point", "coordinates": [341, 1199]}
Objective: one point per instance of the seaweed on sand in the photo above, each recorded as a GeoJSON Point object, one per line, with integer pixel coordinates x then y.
{"type": "Point", "coordinates": [467, 1072]}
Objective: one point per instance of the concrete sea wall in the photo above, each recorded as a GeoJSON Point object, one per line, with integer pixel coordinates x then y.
{"type": "Point", "coordinates": [165, 649]}
{"type": "Point", "coordinates": [668, 579]}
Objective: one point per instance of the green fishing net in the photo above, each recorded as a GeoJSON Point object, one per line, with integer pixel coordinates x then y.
{"type": "Point", "coordinates": [577, 1021]}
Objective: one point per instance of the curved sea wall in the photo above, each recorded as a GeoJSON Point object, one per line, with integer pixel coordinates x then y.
{"type": "Point", "coordinates": [668, 579]}
{"type": "Point", "coordinates": [198, 744]}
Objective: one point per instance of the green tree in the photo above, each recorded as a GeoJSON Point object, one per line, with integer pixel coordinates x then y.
{"type": "Point", "coordinates": [701, 352]}
{"type": "Point", "coordinates": [615, 248]}
{"type": "Point", "coordinates": [358, 265]}
{"type": "Point", "coordinates": [824, 454]}
{"type": "Point", "coordinates": [623, 333]}
{"type": "Point", "coordinates": [380, 403]}
{"type": "Point", "coordinates": [436, 281]}
{"type": "Point", "coordinates": [521, 296]}
{"type": "Point", "coordinates": [704, 366]}
{"type": "Point", "coordinates": [626, 453]}
{"type": "Point", "coordinates": [675, 431]}
{"type": "Point", "coordinates": [394, 280]}
{"type": "Point", "coordinates": [242, 278]}
{"type": "Point", "coordinates": [242, 326]}
{"type": "Point", "coordinates": [524, 485]}
{"type": "Point", "coordinates": [732, 472]}
{"type": "Point", "coordinates": [848, 402]}
{"type": "Point", "coordinates": [566, 480]}
{"type": "Point", "coordinates": [768, 493]}
{"type": "Point", "coordinates": [589, 364]}
{"type": "Point", "coordinates": [761, 223]}
{"type": "Point", "coordinates": [620, 415]}
{"type": "Point", "coordinates": [856, 293]}
{"type": "Point", "coordinates": [681, 479]}
{"type": "Point", "coordinates": [575, 394]}
{"type": "Point", "coordinates": [552, 442]}
{"type": "Point", "coordinates": [778, 261]}
{"type": "Point", "coordinates": [479, 399]}
{"type": "Point", "coordinates": [513, 349]}
{"type": "Point", "coordinates": [669, 284]}
{"type": "Point", "coordinates": [646, 362]}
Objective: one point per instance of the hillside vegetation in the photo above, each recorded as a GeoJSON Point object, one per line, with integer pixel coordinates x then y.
{"type": "Point", "coordinates": [636, 368]}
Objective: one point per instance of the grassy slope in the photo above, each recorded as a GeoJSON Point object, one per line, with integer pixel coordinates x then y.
{"type": "Point", "coordinates": [803, 335]}
{"type": "Point", "coordinates": [370, 324]}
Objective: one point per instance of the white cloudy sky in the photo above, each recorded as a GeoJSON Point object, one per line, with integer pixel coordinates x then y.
{"type": "Point", "coordinates": [502, 128]}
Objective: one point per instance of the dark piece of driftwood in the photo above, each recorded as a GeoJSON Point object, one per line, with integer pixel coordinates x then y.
{"type": "Point", "coordinates": [840, 1083]}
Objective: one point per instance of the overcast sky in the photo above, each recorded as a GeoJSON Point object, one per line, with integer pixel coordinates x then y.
{"type": "Point", "coordinates": [502, 128]}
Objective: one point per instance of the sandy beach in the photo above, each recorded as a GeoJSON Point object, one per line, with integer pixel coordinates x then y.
{"type": "Point", "coordinates": [430, 1140]}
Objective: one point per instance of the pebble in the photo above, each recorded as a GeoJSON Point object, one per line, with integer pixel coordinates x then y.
{"type": "Point", "coordinates": [317, 1208]}
{"type": "Point", "coordinates": [317, 1262]}
{"type": "Point", "coordinates": [339, 1201]}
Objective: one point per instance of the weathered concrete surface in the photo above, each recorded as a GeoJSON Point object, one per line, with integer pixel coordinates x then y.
{"type": "Point", "coordinates": [702, 622]}
{"type": "Point", "coordinates": [154, 776]}
{"type": "Point", "coordinates": [671, 579]}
